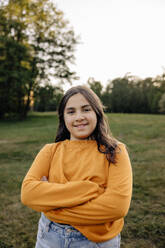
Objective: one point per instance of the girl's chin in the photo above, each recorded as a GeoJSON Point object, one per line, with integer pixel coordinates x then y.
{"type": "Point", "coordinates": [80, 138]}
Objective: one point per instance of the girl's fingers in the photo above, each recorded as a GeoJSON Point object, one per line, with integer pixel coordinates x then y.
{"type": "Point", "coordinates": [44, 178]}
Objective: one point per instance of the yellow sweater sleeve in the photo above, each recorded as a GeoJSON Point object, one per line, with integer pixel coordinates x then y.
{"type": "Point", "coordinates": [44, 196]}
{"type": "Point", "coordinates": [112, 205]}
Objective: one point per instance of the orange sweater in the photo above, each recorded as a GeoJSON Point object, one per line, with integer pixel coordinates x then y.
{"type": "Point", "coordinates": [82, 189]}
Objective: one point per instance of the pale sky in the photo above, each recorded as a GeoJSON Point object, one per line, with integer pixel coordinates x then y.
{"type": "Point", "coordinates": [118, 36]}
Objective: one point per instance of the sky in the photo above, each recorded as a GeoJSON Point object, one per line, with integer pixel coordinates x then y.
{"type": "Point", "coordinates": [117, 37]}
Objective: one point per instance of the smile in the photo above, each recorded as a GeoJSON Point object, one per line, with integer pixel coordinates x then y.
{"type": "Point", "coordinates": [80, 126]}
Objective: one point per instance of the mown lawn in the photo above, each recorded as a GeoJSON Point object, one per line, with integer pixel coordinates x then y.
{"type": "Point", "coordinates": [144, 136]}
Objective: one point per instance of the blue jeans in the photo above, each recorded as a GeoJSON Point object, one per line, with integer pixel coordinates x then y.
{"type": "Point", "coordinates": [54, 235]}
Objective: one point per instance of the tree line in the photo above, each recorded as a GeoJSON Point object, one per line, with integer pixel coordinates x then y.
{"type": "Point", "coordinates": [131, 94]}
{"type": "Point", "coordinates": [121, 95]}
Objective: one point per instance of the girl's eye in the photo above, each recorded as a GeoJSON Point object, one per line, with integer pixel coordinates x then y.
{"type": "Point", "coordinates": [86, 110]}
{"type": "Point", "coordinates": [70, 112]}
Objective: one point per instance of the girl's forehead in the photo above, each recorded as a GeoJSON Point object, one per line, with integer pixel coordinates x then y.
{"type": "Point", "coordinates": [76, 101]}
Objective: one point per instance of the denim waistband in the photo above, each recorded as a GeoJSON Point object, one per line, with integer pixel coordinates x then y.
{"type": "Point", "coordinates": [47, 221]}
{"type": "Point", "coordinates": [63, 229]}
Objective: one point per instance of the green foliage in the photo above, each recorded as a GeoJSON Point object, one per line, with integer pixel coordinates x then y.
{"type": "Point", "coordinates": [47, 98]}
{"type": "Point", "coordinates": [95, 86]}
{"type": "Point", "coordinates": [36, 44]}
{"type": "Point", "coordinates": [14, 78]}
{"type": "Point", "coordinates": [144, 136]}
{"type": "Point", "coordinates": [130, 94]}
{"type": "Point", "coordinates": [162, 104]}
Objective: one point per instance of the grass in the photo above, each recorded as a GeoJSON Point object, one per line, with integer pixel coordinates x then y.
{"type": "Point", "coordinates": [144, 136]}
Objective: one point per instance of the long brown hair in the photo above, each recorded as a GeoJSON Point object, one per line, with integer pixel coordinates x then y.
{"type": "Point", "coordinates": [105, 142]}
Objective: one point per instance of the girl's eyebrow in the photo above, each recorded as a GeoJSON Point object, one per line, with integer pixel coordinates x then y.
{"type": "Point", "coordinates": [83, 106]}
{"type": "Point", "coordinates": [87, 105]}
{"type": "Point", "coordinates": [70, 108]}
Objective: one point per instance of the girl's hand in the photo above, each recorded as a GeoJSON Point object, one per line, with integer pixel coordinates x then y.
{"type": "Point", "coordinates": [44, 178]}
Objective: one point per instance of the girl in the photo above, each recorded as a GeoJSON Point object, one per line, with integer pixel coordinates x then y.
{"type": "Point", "coordinates": [82, 183]}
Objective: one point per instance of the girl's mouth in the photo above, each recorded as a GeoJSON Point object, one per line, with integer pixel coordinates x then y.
{"type": "Point", "coordinates": [81, 125]}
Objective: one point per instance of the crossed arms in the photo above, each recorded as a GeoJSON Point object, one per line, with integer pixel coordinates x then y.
{"type": "Point", "coordinates": [79, 202]}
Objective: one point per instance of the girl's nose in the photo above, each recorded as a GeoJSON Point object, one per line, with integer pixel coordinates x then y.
{"type": "Point", "coordinates": [79, 116]}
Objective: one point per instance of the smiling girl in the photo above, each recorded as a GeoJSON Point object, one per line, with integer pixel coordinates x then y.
{"type": "Point", "coordinates": [82, 183]}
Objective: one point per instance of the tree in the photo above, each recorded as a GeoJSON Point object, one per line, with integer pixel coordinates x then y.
{"type": "Point", "coordinates": [48, 44]}
{"type": "Point", "coordinates": [162, 104]}
{"type": "Point", "coordinates": [150, 93]}
{"type": "Point", "coordinates": [120, 95]}
{"type": "Point", "coordinates": [132, 95]}
{"type": "Point", "coordinates": [47, 98]}
{"type": "Point", "coordinates": [95, 86]}
{"type": "Point", "coordinates": [15, 69]}
{"type": "Point", "coordinates": [159, 82]}
{"type": "Point", "coordinates": [106, 98]}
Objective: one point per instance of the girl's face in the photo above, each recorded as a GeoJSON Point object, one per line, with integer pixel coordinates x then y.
{"type": "Point", "coordinates": [80, 119]}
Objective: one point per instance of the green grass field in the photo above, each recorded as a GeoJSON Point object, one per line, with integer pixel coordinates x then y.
{"type": "Point", "coordinates": [144, 136]}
